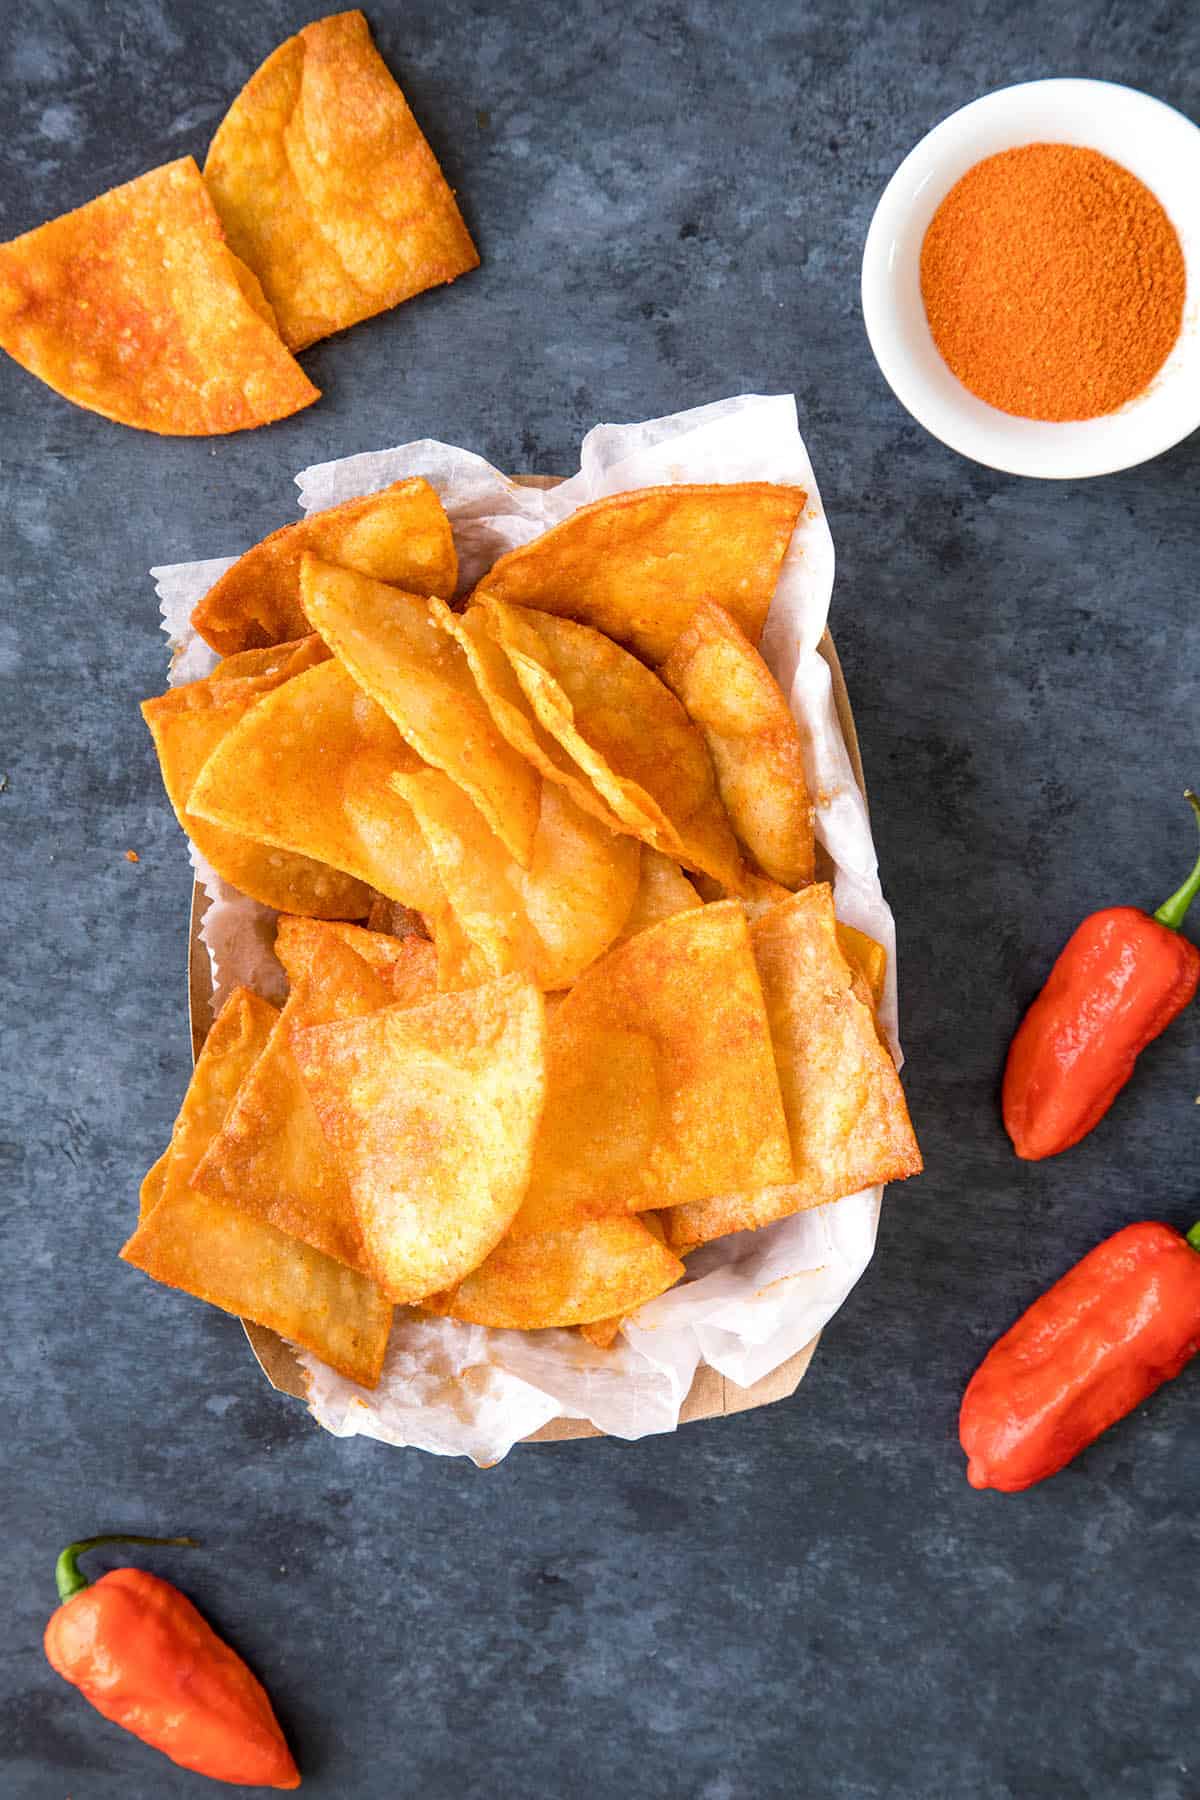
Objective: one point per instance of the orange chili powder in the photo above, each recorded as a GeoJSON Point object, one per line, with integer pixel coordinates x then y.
{"type": "Point", "coordinates": [1053, 282]}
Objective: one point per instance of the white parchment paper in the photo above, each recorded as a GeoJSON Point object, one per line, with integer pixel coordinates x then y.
{"type": "Point", "coordinates": [749, 1301]}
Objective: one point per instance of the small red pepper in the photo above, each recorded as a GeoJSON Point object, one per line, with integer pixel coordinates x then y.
{"type": "Point", "coordinates": [1119, 1324]}
{"type": "Point", "coordinates": [144, 1657]}
{"type": "Point", "coordinates": [1120, 980]}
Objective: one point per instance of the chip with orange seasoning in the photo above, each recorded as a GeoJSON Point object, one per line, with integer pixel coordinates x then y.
{"type": "Point", "coordinates": [433, 1110]}
{"type": "Point", "coordinates": [327, 187]}
{"type": "Point", "coordinates": [636, 565]}
{"type": "Point", "coordinates": [400, 534]}
{"type": "Point", "coordinates": [135, 307]}
{"type": "Point", "coordinates": [576, 1275]}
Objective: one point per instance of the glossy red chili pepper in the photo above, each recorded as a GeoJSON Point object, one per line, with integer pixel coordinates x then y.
{"type": "Point", "coordinates": [1119, 1324]}
{"type": "Point", "coordinates": [1120, 980]}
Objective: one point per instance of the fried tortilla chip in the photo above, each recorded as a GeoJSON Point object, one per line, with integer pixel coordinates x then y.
{"type": "Point", "coordinates": [602, 1333]}
{"type": "Point", "coordinates": [327, 187]}
{"type": "Point", "coordinates": [730, 694]}
{"type": "Point", "coordinates": [401, 535]}
{"type": "Point", "coordinates": [867, 959]}
{"type": "Point", "coordinates": [548, 921]}
{"type": "Point", "coordinates": [153, 1186]}
{"type": "Point", "coordinates": [270, 1157]}
{"type": "Point", "coordinates": [423, 681]}
{"type": "Point", "coordinates": [573, 1276]}
{"type": "Point", "coordinates": [661, 1083]}
{"type": "Point", "coordinates": [637, 565]}
{"type": "Point", "coordinates": [663, 891]}
{"type": "Point", "coordinates": [847, 1119]}
{"type": "Point", "coordinates": [460, 962]}
{"type": "Point", "coordinates": [433, 1110]}
{"type": "Point", "coordinates": [626, 731]}
{"type": "Point", "coordinates": [233, 1260]}
{"type": "Point", "coordinates": [279, 660]}
{"type": "Point", "coordinates": [187, 725]}
{"type": "Point", "coordinates": [135, 307]}
{"type": "Point", "coordinates": [308, 771]}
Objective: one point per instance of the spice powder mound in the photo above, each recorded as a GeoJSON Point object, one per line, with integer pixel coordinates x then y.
{"type": "Point", "coordinates": [1053, 282]}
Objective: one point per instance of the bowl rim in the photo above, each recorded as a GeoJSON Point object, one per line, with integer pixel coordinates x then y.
{"type": "Point", "coordinates": [1059, 109]}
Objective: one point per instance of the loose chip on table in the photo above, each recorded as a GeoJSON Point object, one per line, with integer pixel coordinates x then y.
{"type": "Point", "coordinates": [636, 565]}
{"type": "Point", "coordinates": [270, 1156]}
{"type": "Point", "coordinates": [307, 770]}
{"type": "Point", "coordinates": [433, 1110]}
{"type": "Point", "coordinates": [847, 1120]}
{"type": "Point", "coordinates": [550, 920]}
{"type": "Point", "coordinates": [660, 1078]}
{"type": "Point", "coordinates": [730, 694]}
{"type": "Point", "coordinates": [400, 534]}
{"type": "Point", "coordinates": [234, 1260]}
{"type": "Point", "coordinates": [420, 676]}
{"type": "Point", "coordinates": [327, 187]}
{"type": "Point", "coordinates": [135, 307]}
{"type": "Point", "coordinates": [626, 731]}
{"type": "Point", "coordinates": [188, 724]}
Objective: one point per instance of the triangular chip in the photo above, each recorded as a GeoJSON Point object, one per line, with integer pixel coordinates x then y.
{"type": "Point", "coordinates": [663, 891]}
{"type": "Point", "coordinates": [282, 660]}
{"type": "Point", "coordinates": [307, 770]}
{"type": "Point", "coordinates": [730, 694]}
{"type": "Point", "coordinates": [153, 1186]}
{"type": "Point", "coordinates": [847, 1120]}
{"type": "Point", "coordinates": [233, 1260]}
{"type": "Point", "coordinates": [572, 1276]}
{"type": "Point", "coordinates": [626, 731]}
{"type": "Point", "coordinates": [550, 920]}
{"type": "Point", "coordinates": [135, 307]}
{"type": "Point", "coordinates": [187, 725]}
{"type": "Point", "coordinates": [661, 1082]}
{"type": "Point", "coordinates": [433, 1110]}
{"type": "Point", "coordinates": [602, 1333]}
{"type": "Point", "coordinates": [270, 1157]}
{"type": "Point", "coordinates": [401, 534]}
{"type": "Point", "coordinates": [327, 187]}
{"type": "Point", "coordinates": [637, 565]}
{"type": "Point", "coordinates": [423, 681]}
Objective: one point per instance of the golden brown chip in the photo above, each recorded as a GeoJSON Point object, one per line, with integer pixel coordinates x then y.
{"type": "Point", "coordinates": [573, 1276]}
{"type": "Point", "coordinates": [279, 660]}
{"type": "Point", "coordinates": [153, 1186]}
{"type": "Point", "coordinates": [602, 1333]}
{"type": "Point", "coordinates": [187, 724]}
{"type": "Point", "coordinates": [663, 891]}
{"type": "Point", "coordinates": [460, 962]}
{"type": "Point", "coordinates": [423, 681]}
{"type": "Point", "coordinates": [728, 691]}
{"type": "Point", "coordinates": [867, 959]}
{"type": "Point", "coordinates": [270, 1157]}
{"type": "Point", "coordinates": [135, 307]}
{"type": "Point", "coordinates": [661, 1083]}
{"type": "Point", "coordinates": [400, 534]}
{"type": "Point", "coordinates": [548, 921]}
{"type": "Point", "coordinates": [327, 187]}
{"type": "Point", "coordinates": [433, 1110]}
{"type": "Point", "coordinates": [626, 731]}
{"type": "Point", "coordinates": [847, 1119]}
{"type": "Point", "coordinates": [390, 917]}
{"type": "Point", "coordinates": [307, 771]}
{"type": "Point", "coordinates": [637, 565]}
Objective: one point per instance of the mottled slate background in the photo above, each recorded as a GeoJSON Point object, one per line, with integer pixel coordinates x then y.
{"type": "Point", "coordinates": [670, 201]}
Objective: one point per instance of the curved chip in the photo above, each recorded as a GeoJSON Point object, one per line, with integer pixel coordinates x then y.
{"type": "Point", "coordinates": [550, 920]}
{"type": "Point", "coordinates": [400, 534]}
{"type": "Point", "coordinates": [421, 678]}
{"type": "Point", "coordinates": [433, 1110]}
{"type": "Point", "coordinates": [637, 565]}
{"type": "Point", "coordinates": [574, 1276]}
{"type": "Point", "coordinates": [187, 725]}
{"type": "Point", "coordinates": [327, 187]}
{"type": "Point", "coordinates": [134, 307]}
{"type": "Point", "coordinates": [308, 770]}
{"type": "Point", "coordinates": [626, 731]}
{"type": "Point", "coordinates": [663, 891]}
{"type": "Point", "coordinates": [730, 694]}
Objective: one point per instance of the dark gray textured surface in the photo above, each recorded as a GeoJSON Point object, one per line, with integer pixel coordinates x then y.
{"type": "Point", "coordinates": [670, 202]}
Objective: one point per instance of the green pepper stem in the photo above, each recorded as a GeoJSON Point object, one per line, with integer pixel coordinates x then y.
{"type": "Point", "coordinates": [1193, 1236]}
{"type": "Point", "coordinates": [67, 1573]}
{"type": "Point", "coordinates": [1172, 912]}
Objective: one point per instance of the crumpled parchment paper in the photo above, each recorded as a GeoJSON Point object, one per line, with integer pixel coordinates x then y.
{"type": "Point", "coordinates": [749, 1301]}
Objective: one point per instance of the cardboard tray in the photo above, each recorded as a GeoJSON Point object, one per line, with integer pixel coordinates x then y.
{"type": "Point", "coordinates": [712, 1395]}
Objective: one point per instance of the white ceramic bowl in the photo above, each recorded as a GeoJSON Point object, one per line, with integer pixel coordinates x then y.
{"type": "Point", "coordinates": [1156, 144]}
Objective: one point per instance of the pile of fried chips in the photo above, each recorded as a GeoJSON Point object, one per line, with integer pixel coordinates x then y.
{"type": "Point", "coordinates": [601, 1012]}
{"type": "Point", "coordinates": [174, 303]}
